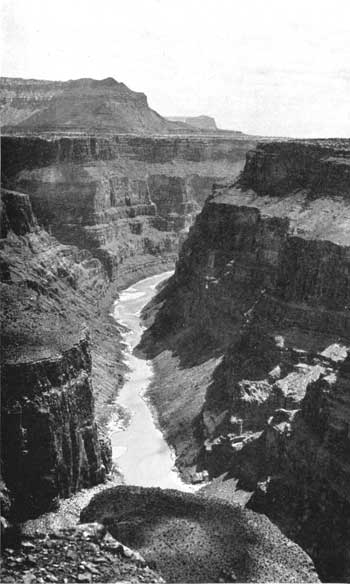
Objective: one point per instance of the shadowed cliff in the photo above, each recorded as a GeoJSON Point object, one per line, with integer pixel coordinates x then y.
{"type": "Point", "coordinates": [260, 301]}
{"type": "Point", "coordinates": [53, 369]}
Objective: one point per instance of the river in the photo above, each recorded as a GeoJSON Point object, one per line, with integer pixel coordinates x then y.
{"type": "Point", "coordinates": [139, 449]}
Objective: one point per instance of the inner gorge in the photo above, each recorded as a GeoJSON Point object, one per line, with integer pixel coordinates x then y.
{"type": "Point", "coordinates": [175, 380]}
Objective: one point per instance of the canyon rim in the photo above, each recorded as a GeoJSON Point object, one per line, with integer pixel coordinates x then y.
{"type": "Point", "coordinates": [175, 293]}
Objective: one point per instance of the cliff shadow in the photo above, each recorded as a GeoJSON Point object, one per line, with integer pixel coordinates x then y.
{"type": "Point", "coordinates": [192, 346]}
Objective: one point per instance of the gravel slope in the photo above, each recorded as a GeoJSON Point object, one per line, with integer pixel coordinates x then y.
{"type": "Point", "coordinates": [192, 539]}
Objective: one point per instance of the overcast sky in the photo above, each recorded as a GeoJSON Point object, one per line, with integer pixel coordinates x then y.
{"type": "Point", "coordinates": [272, 67]}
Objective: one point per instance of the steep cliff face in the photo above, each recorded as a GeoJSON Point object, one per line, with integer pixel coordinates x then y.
{"type": "Point", "coordinates": [299, 468]}
{"type": "Point", "coordinates": [49, 293]}
{"type": "Point", "coordinates": [264, 281]}
{"type": "Point", "coordinates": [125, 198]}
{"type": "Point", "coordinates": [321, 166]}
{"type": "Point", "coordinates": [49, 430]}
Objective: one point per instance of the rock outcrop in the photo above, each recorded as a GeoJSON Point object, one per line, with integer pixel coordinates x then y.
{"type": "Point", "coordinates": [194, 539]}
{"type": "Point", "coordinates": [302, 478]}
{"type": "Point", "coordinates": [49, 293]}
{"type": "Point", "coordinates": [263, 281]}
{"type": "Point", "coordinates": [83, 553]}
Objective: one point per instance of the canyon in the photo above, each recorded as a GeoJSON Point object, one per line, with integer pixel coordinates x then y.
{"type": "Point", "coordinates": [249, 340]}
{"type": "Point", "coordinates": [84, 215]}
{"type": "Point", "coordinates": [254, 330]}
{"type": "Point", "coordinates": [122, 196]}
{"type": "Point", "coordinates": [119, 191]}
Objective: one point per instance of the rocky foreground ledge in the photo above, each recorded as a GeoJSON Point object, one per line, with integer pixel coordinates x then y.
{"type": "Point", "coordinates": [193, 539]}
{"type": "Point", "coordinates": [86, 553]}
{"type": "Point", "coordinates": [135, 534]}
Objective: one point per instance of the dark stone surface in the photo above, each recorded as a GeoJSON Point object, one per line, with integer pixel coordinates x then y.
{"type": "Point", "coordinates": [194, 539]}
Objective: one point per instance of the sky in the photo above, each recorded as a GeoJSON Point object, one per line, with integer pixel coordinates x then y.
{"type": "Point", "coordinates": [266, 67]}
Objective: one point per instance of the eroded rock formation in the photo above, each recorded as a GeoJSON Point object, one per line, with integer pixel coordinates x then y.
{"type": "Point", "coordinates": [113, 193]}
{"type": "Point", "coordinates": [127, 199]}
{"type": "Point", "coordinates": [49, 293]}
{"type": "Point", "coordinates": [263, 280]}
{"type": "Point", "coordinates": [89, 104]}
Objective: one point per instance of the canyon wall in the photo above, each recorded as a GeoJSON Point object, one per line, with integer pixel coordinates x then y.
{"type": "Point", "coordinates": [127, 199]}
{"type": "Point", "coordinates": [99, 191]}
{"type": "Point", "coordinates": [260, 301]}
{"type": "Point", "coordinates": [56, 343]}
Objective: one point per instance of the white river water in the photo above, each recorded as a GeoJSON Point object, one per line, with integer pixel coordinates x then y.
{"type": "Point", "coordinates": [140, 450]}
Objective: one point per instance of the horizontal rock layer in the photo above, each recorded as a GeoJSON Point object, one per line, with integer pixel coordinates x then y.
{"type": "Point", "coordinates": [78, 104]}
{"type": "Point", "coordinates": [87, 105]}
{"type": "Point", "coordinates": [121, 197]}
{"type": "Point", "coordinates": [49, 292]}
{"type": "Point", "coordinates": [322, 166]}
{"type": "Point", "coordinates": [104, 208]}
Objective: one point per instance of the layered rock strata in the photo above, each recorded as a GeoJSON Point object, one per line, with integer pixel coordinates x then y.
{"type": "Point", "coordinates": [263, 280]}
{"type": "Point", "coordinates": [78, 104]}
{"type": "Point", "coordinates": [88, 105]}
{"type": "Point", "coordinates": [111, 207]}
{"type": "Point", "coordinates": [121, 197]}
{"type": "Point", "coordinates": [50, 292]}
